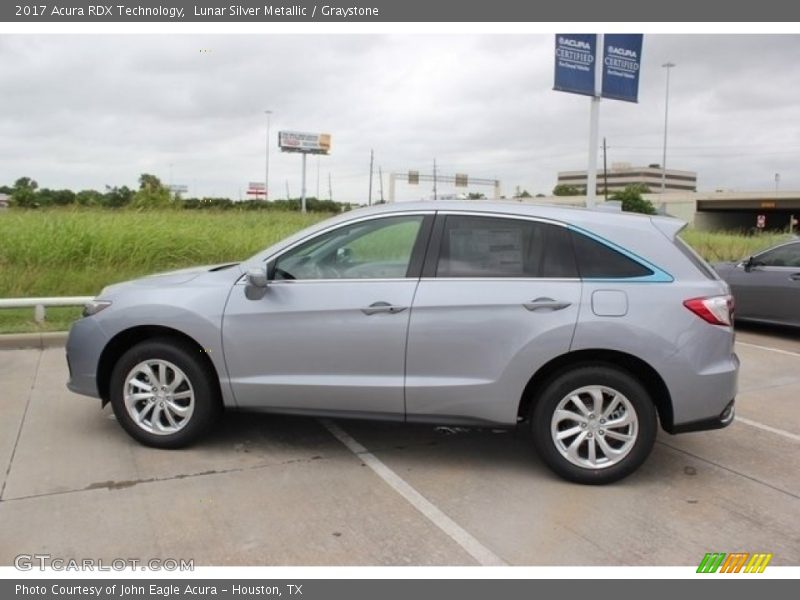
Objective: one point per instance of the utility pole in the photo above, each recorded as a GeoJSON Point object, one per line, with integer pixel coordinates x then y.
{"type": "Point", "coordinates": [303, 186]}
{"type": "Point", "coordinates": [668, 66]}
{"type": "Point", "coordinates": [380, 177]}
{"type": "Point", "coordinates": [330, 188]}
{"type": "Point", "coordinates": [371, 160]}
{"type": "Point", "coordinates": [434, 180]}
{"type": "Point", "coordinates": [605, 171]}
{"type": "Point", "coordinates": [317, 176]}
{"type": "Point", "coordinates": [287, 190]}
{"type": "Point", "coordinates": [777, 182]}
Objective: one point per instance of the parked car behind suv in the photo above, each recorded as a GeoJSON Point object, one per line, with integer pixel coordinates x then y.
{"type": "Point", "coordinates": [766, 286]}
{"type": "Point", "coordinates": [589, 327]}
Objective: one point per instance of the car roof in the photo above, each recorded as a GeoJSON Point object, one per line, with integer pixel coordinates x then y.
{"type": "Point", "coordinates": [568, 214]}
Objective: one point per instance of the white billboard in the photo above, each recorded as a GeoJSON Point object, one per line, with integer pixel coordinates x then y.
{"type": "Point", "coordinates": [309, 143]}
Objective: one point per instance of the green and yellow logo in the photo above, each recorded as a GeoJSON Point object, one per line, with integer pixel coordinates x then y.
{"type": "Point", "coordinates": [737, 562]}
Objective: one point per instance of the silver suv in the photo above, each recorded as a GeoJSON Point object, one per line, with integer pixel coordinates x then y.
{"type": "Point", "coordinates": [589, 327]}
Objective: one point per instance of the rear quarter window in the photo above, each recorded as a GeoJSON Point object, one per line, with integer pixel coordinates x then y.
{"type": "Point", "coordinates": [598, 261]}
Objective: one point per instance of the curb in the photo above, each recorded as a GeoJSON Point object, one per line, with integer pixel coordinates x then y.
{"type": "Point", "coordinates": [37, 341]}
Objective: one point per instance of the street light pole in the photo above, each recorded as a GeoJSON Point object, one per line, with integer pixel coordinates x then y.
{"type": "Point", "coordinates": [668, 66]}
{"type": "Point", "coordinates": [266, 170]}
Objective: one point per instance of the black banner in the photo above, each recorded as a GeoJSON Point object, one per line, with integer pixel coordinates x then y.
{"type": "Point", "coordinates": [371, 589]}
{"type": "Point", "coordinates": [393, 11]}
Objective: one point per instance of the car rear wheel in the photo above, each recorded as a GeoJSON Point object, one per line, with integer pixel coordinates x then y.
{"type": "Point", "coordinates": [594, 424]}
{"type": "Point", "coordinates": [163, 394]}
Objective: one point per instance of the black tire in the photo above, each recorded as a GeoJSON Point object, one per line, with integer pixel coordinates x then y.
{"type": "Point", "coordinates": [606, 376]}
{"type": "Point", "coordinates": [200, 376]}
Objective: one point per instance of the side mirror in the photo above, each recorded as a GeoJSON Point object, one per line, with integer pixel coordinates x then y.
{"type": "Point", "coordinates": [748, 264]}
{"type": "Point", "coordinates": [257, 277]}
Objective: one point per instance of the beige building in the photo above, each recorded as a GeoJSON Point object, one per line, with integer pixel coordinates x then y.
{"type": "Point", "coordinates": [710, 211]}
{"type": "Point", "coordinates": [621, 175]}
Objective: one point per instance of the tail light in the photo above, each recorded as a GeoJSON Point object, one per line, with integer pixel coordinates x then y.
{"type": "Point", "coordinates": [717, 310]}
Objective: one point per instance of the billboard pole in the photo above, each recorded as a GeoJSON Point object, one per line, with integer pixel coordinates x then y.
{"type": "Point", "coordinates": [266, 168]}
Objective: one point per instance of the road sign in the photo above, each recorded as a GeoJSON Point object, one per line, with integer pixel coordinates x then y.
{"type": "Point", "coordinates": [761, 221]}
{"type": "Point", "coordinates": [256, 188]}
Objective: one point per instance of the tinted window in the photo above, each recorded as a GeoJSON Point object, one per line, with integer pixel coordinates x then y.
{"type": "Point", "coordinates": [379, 248]}
{"type": "Point", "coordinates": [596, 260]}
{"type": "Point", "coordinates": [497, 247]}
{"type": "Point", "coordinates": [783, 256]}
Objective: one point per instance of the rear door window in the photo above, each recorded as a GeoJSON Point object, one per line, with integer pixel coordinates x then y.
{"type": "Point", "coordinates": [477, 246]}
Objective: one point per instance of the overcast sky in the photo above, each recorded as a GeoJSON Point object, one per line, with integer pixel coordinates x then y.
{"type": "Point", "coordinates": [83, 111]}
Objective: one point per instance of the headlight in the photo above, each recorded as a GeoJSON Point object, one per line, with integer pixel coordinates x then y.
{"type": "Point", "coordinates": [95, 306]}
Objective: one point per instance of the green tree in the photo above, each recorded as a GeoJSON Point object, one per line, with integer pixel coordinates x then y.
{"type": "Point", "coordinates": [152, 193]}
{"type": "Point", "coordinates": [117, 197]}
{"type": "Point", "coordinates": [632, 200]}
{"type": "Point", "coordinates": [47, 197]}
{"type": "Point", "coordinates": [89, 198]}
{"type": "Point", "coordinates": [564, 189]}
{"type": "Point", "coordinates": [24, 193]}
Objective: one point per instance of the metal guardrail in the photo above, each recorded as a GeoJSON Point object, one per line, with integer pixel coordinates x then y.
{"type": "Point", "coordinates": [40, 305]}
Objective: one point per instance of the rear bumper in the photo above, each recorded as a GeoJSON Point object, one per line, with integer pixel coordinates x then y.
{"type": "Point", "coordinates": [721, 421]}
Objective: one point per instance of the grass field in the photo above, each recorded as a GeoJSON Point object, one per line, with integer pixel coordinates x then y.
{"type": "Point", "coordinates": [77, 252]}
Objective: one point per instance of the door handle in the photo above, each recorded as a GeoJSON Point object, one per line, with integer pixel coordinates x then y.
{"type": "Point", "coordinates": [382, 307]}
{"type": "Point", "coordinates": [545, 303]}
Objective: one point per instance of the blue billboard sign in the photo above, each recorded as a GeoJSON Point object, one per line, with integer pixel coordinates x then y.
{"type": "Point", "coordinates": [622, 60]}
{"type": "Point", "coordinates": [575, 63]}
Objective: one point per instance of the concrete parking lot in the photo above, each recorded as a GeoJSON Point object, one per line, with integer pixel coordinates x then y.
{"type": "Point", "coordinates": [269, 490]}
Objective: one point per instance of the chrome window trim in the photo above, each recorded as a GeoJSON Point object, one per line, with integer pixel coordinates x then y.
{"type": "Point", "coordinates": [499, 279]}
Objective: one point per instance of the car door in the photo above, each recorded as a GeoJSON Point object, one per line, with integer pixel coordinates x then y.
{"type": "Point", "coordinates": [328, 333]}
{"type": "Point", "coordinates": [769, 289]}
{"type": "Point", "coordinates": [498, 298]}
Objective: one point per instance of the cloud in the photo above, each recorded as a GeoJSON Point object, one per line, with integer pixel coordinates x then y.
{"type": "Point", "coordinates": [82, 111]}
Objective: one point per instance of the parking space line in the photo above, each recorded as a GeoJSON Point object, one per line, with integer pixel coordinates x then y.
{"type": "Point", "coordinates": [775, 430]}
{"type": "Point", "coordinates": [778, 350]}
{"type": "Point", "coordinates": [459, 535]}
{"type": "Point", "coordinates": [21, 425]}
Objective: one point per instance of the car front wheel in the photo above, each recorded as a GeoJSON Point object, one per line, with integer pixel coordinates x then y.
{"type": "Point", "coordinates": [163, 394]}
{"type": "Point", "coordinates": [594, 424]}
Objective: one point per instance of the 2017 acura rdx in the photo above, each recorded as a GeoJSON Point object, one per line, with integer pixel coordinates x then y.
{"type": "Point", "coordinates": [590, 327]}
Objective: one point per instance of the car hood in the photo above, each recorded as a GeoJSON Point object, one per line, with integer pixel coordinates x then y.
{"type": "Point", "coordinates": [168, 278]}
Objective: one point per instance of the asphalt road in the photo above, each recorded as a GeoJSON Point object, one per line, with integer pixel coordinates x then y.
{"type": "Point", "coordinates": [268, 490]}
